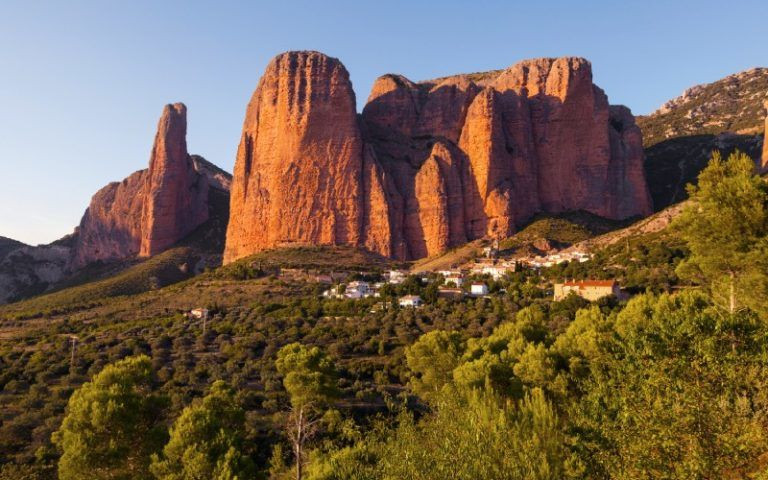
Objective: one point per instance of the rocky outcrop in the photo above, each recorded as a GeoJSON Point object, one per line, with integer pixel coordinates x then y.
{"type": "Point", "coordinates": [428, 165]}
{"type": "Point", "coordinates": [536, 137]}
{"type": "Point", "coordinates": [29, 270]}
{"type": "Point", "coordinates": [176, 195]}
{"type": "Point", "coordinates": [439, 204]}
{"type": "Point", "coordinates": [152, 209]}
{"type": "Point", "coordinates": [731, 104]}
{"type": "Point", "coordinates": [679, 138]}
{"type": "Point", "coordinates": [299, 170]}
{"type": "Point", "coordinates": [111, 226]}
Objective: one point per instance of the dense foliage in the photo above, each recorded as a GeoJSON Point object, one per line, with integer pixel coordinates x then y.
{"type": "Point", "coordinates": [669, 385]}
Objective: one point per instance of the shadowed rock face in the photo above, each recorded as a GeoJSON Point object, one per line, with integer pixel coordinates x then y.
{"type": "Point", "coordinates": [764, 161]}
{"type": "Point", "coordinates": [111, 226]}
{"type": "Point", "coordinates": [428, 165]}
{"type": "Point", "coordinates": [150, 210]}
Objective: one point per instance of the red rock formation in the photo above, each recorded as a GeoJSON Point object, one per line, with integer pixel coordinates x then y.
{"type": "Point", "coordinates": [538, 136]}
{"type": "Point", "coordinates": [152, 209]}
{"type": "Point", "coordinates": [378, 212]}
{"type": "Point", "coordinates": [488, 181]}
{"type": "Point", "coordinates": [299, 171]}
{"type": "Point", "coordinates": [111, 226]}
{"type": "Point", "coordinates": [439, 203]}
{"type": "Point", "coordinates": [445, 161]}
{"type": "Point", "coordinates": [176, 196]}
{"type": "Point", "coordinates": [626, 187]}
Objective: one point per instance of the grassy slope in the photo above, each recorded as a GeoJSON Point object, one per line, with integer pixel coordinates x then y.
{"type": "Point", "coordinates": [652, 226]}
{"type": "Point", "coordinates": [321, 258]}
{"type": "Point", "coordinates": [561, 230]}
{"type": "Point", "coordinates": [178, 264]}
{"type": "Point", "coordinates": [169, 267]}
{"type": "Point", "coordinates": [450, 259]}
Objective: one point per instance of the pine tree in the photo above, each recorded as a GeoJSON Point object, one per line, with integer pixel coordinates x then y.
{"type": "Point", "coordinates": [112, 425]}
{"type": "Point", "coordinates": [725, 227]}
{"type": "Point", "coordinates": [206, 441]}
{"type": "Point", "coordinates": [310, 379]}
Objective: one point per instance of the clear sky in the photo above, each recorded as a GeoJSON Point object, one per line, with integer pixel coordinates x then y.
{"type": "Point", "coordinates": [82, 83]}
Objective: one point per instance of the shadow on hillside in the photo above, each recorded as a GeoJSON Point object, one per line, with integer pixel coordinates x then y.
{"type": "Point", "coordinates": [672, 164]}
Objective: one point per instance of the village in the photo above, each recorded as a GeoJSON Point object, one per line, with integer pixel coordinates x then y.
{"type": "Point", "coordinates": [471, 279]}
{"type": "Point", "coordinates": [483, 276]}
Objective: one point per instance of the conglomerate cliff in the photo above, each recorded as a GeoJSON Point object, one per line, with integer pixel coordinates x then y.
{"type": "Point", "coordinates": [429, 165]}
{"type": "Point", "coordinates": [151, 209]}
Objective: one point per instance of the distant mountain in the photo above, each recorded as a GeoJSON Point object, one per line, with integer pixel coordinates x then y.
{"type": "Point", "coordinates": [733, 104]}
{"type": "Point", "coordinates": [8, 245]}
{"type": "Point", "coordinates": [679, 137]}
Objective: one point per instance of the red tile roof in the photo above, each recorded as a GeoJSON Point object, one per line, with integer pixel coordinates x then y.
{"type": "Point", "coordinates": [591, 283]}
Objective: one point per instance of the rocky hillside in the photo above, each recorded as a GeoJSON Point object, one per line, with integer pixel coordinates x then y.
{"type": "Point", "coordinates": [733, 104]}
{"type": "Point", "coordinates": [428, 166]}
{"type": "Point", "coordinates": [8, 245]}
{"type": "Point", "coordinates": [680, 136]}
{"type": "Point", "coordinates": [764, 161]}
{"type": "Point", "coordinates": [27, 270]}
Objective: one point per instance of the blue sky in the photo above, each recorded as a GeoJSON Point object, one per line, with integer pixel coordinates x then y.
{"type": "Point", "coordinates": [83, 83]}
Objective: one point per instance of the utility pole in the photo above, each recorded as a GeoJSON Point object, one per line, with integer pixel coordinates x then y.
{"type": "Point", "coordinates": [73, 339]}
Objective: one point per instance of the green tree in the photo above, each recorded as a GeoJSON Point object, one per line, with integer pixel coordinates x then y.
{"type": "Point", "coordinates": [432, 359]}
{"type": "Point", "coordinates": [206, 441]}
{"type": "Point", "coordinates": [479, 436]}
{"type": "Point", "coordinates": [678, 392]}
{"type": "Point", "coordinates": [309, 378]}
{"type": "Point", "coordinates": [492, 361]}
{"type": "Point", "coordinates": [113, 424]}
{"type": "Point", "coordinates": [725, 227]}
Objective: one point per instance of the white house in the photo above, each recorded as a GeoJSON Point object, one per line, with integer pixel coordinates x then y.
{"type": "Point", "coordinates": [333, 292]}
{"type": "Point", "coordinates": [498, 271]}
{"type": "Point", "coordinates": [456, 278]}
{"type": "Point", "coordinates": [478, 289]}
{"type": "Point", "coordinates": [198, 313]}
{"type": "Point", "coordinates": [410, 301]}
{"type": "Point", "coordinates": [396, 276]}
{"type": "Point", "coordinates": [357, 290]}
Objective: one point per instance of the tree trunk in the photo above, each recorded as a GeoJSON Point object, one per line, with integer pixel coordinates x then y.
{"type": "Point", "coordinates": [732, 302]}
{"type": "Point", "coordinates": [299, 441]}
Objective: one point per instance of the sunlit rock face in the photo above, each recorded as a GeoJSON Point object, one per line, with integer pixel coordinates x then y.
{"type": "Point", "coordinates": [428, 165]}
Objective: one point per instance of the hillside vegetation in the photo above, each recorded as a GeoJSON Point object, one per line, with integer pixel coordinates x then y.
{"type": "Point", "coordinates": [560, 230]}
{"type": "Point", "coordinates": [323, 258]}
{"type": "Point", "coordinates": [164, 269]}
{"type": "Point", "coordinates": [280, 382]}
